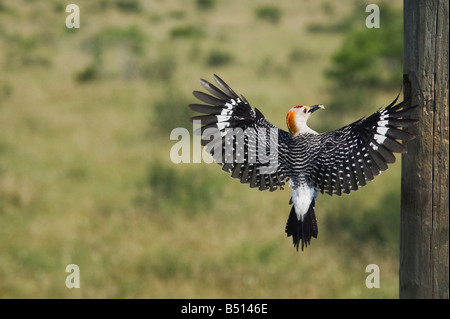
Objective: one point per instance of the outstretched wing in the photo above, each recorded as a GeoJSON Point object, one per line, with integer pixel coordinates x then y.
{"type": "Point", "coordinates": [356, 153]}
{"type": "Point", "coordinates": [239, 138]}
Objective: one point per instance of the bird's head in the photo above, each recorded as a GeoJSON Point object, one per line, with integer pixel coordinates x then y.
{"type": "Point", "coordinates": [297, 117]}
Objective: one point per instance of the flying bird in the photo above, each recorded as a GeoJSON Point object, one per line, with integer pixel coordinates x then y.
{"type": "Point", "coordinates": [334, 162]}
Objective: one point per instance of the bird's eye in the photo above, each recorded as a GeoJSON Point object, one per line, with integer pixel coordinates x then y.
{"type": "Point", "coordinates": [305, 110]}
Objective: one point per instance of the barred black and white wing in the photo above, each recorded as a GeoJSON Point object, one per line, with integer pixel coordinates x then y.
{"type": "Point", "coordinates": [356, 153]}
{"type": "Point", "coordinates": [239, 138]}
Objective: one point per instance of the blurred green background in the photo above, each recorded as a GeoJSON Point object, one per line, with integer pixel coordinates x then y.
{"type": "Point", "coordinates": [85, 172]}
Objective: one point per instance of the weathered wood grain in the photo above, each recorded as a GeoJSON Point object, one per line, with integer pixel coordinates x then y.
{"type": "Point", "coordinates": [424, 247]}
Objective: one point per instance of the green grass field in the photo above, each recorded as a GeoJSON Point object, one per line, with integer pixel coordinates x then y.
{"type": "Point", "coordinates": [85, 172]}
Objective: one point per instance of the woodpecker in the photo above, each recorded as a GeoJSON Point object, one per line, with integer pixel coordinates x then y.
{"type": "Point", "coordinates": [334, 162]}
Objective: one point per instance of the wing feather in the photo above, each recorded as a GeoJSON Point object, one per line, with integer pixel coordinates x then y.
{"type": "Point", "coordinates": [227, 112]}
{"type": "Point", "coordinates": [369, 143]}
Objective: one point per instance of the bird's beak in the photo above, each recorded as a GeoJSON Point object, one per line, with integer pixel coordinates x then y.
{"type": "Point", "coordinates": [314, 108]}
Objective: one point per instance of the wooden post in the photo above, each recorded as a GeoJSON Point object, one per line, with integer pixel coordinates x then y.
{"type": "Point", "coordinates": [424, 248]}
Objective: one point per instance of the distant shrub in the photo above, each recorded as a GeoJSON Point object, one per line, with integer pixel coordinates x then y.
{"type": "Point", "coordinates": [131, 36]}
{"type": "Point", "coordinates": [36, 60]}
{"type": "Point", "coordinates": [6, 91]}
{"type": "Point", "coordinates": [299, 55]}
{"type": "Point", "coordinates": [269, 13]}
{"type": "Point", "coordinates": [130, 42]}
{"type": "Point", "coordinates": [339, 27]}
{"type": "Point", "coordinates": [88, 74]}
{"type": "Point", "coordinates": [188, 31]}
{"type": "Point", "coordinates": [171, 112]}
{"type": "Point", "coordinates": [369, 225]}
{"type": "Point", "coordinates": [3, 8]}
{"type": "Point", "coordinates": [182, 189]}
{"type": "Point", "coordinates": [347, 100]}
{"type": "Point", "coordinates": [371, 57]}
{"type": "Point", "coordinates": [205, 4]}
{"type": "Point", "coordinates": [128, 6]}
{"type": "Point", "coordinates": [57, 7]}
{"type": "Point", "coordinates": [161, 69]}
{"type": "Point", "coordinates": [369, 60]}
{"type": "Point", "coordinates": [218, 58]}
{"type": "Point", "coordinates": [270, 67]}
{"type": "Point", "coordinates": [26, 51]}
{"type": "Point", "coordinates": [328, 8]}
{"type": "Point", "coordinates": [342, 25]}
{"type": "Point", "coordinates": [177, 14]}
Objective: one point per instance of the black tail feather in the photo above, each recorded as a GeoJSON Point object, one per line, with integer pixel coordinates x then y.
{"type": "Point", "coordinates": [302, 230]}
